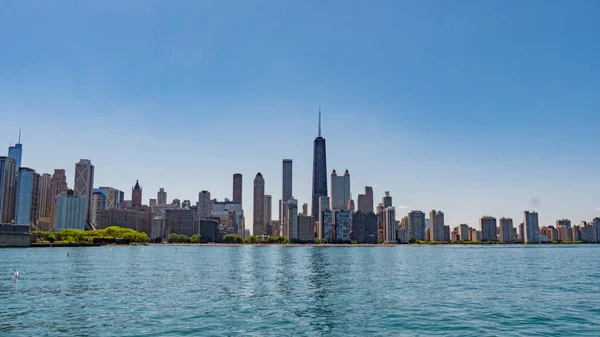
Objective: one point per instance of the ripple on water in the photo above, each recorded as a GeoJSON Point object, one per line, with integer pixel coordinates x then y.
{"type": "Point", "coordinates": [308, 291]}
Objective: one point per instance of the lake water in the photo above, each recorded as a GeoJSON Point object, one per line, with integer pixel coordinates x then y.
{"type": "Point", "coordinates": [301, 291]}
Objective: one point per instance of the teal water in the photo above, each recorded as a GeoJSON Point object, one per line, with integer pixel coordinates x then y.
{"type": "Point", "coordinates": [301, 291]}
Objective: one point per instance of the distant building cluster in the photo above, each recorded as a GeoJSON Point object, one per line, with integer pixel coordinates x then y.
{"type": "Point", "coordinates": [45, 202]}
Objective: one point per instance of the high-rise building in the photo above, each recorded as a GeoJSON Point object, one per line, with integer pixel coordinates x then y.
{"type": "Point", "coordinates": [44, 198]}
{"type": "Point", "coordinates": [16, 152]}
{"type": "Point", "coordinates": [327, 225]}
{"type": "Point", "coordinates": [532, 229]}
{"type": "Point", "coordinates": [416, 224]}
{"type": "Point", "coordinates": [98, 204]}
{"type": "Point", "coordinates": [268, 214]}
{"type": "Point", "coordinates": [58, 184]}
{"type": "Point", "coordinates": [463, 232]}
{"type": "Point", "coordinates": [230, 215]}
{"type": "Point", "coordinates": [364, 227]}
{"type": "Point", "coordinates": [387, 200]}
{"type": "Point", "coordinates": [343, 225]}
{"type": "Point", "coordinates": [596, 223]}
{"type": "Point", "coordinates": [506, 230]}
{"type": "Point", "coordinates": [305, 228]}
{"type": "Point", "coordinates": [292, 219]}
{"type": "Point", "coordinates": [319, 177]}
{"type": "Point", "coordinates": [84, 183]}
{"type": "Point", "coordinates": [323, 206]}
{"type": "Point", "coordinates": [351, 206]}
{"type": "Point", "coordinates": [8, 188]}
{"type": "Point", "coordinates": [204, 205]}
{"type": "Point", "coordinates": [305, 209]}
{"type": "Point", "coordinates": [258, 214]}
{"type": "Point", "coordinates": [181, 221]}
{"type": "Point", "coordinates": [152, 202]}
{"type": "Point", "coordinates": [368, 204]}
{"type": "Point", "coordinates": [488, 228]}
{"type": "Point", "coordinates": [436, 219]}
{"type": "Point", "coordinates": [113, 197]}
{"type": "Point", "coordinates": [126, 218]}
{"type": "Point", "coordinates": [286, 192]}
{"type": "Point", "coordinates": [340, 191]}
{"type": "Point", "coordinates": [136, 194]}
{"type": "Point", "coordinates": [389, 225]}
{"type": "Point", "coordinates": [70, 211]}
{"type": "Point", "coordinates": [237, 187]}
{"type": "Point", "coordinates": [563, 223]}
{"type": "Point", "coordinates": [161, 197]}
{"type": "Point", "coordinates": [27, 197]}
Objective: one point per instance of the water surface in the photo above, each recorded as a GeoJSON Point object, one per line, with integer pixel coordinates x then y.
{"type": "Point", "coordinates": [302, 291]}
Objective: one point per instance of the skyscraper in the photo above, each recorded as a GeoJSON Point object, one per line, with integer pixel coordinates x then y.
{"type": "Point", "coordinates": [340, 191]}
{"type": "Point", "coordinates": [161, 197]}
{"type": "Point", "coordinates": [16, 153]}
{"type": "Point", "coordinates": [286, 192]}
{"type": "Point", "coordinates": [136, 194]}
{"type": "Point", "coordinates": [416, 224]}
{"type": "Point", "coordinates": [98, 204]}
{"type": "Point", "coordinates": [488, 228]}
{"type": "Point", "coordinates": [506, 230]}
{"type": "Point", "coordinates": [44, 198]}
{"type": "Point", "coordinates": [204, 205]}
{"type": "Point", "coordinates": [58, 184]}
{"type": "Point", "coordinates": [27, 197]}
{"type": "Point", "coordinates": [436, 219]}
{"type": "Point", "coordinates": [258, 214]}
{"type": "Point", "coordinates": [70, 211]}
{"type": "Point", "coordinates": [387, 200]}
{"type": "Point", "coordinates": [319, 178]}
{"type": "Point", "coordinates": [321, 229]}
{"type": "Point", "coordinates": [365, 201]}
{"type": "Point", "coordinates": [268, 213]}
{"type": "Point", "coordinates": [292, 218]}
{"type": "Point", "coordinates": [237, 187]}
{"type": "Point", "coordinates": [531, 227]}
{"type": "Point", "coordinates": [8, 185]}
{"type": "Point", "coordinates": [343, 225]}
{"type": "Point", "coordinates": [84, 183]}
{"type": "Point", "coordinates": [389, 225]}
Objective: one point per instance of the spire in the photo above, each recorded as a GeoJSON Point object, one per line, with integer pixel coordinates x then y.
{"type": "Point", "coordinates": [19, 136]}
{"type": "Point", "coordinates": [319, 121]}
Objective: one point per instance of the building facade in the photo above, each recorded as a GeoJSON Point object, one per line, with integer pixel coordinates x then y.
{"type": "Point", "coordinates": [340, 191]}
{"type": "Point", "coordinates": [204, 205]}
{"type": "Point", "coordinates": [416, 224]}
{"type": "Point", "coordinates": [27, 197]}
{"type": "Point", "coordinates": [389, 224]}
{"type": "Point", "coordinates": [58, 184]}
{"type": "Point", "coordinates": [323, 204]}
{"type": "Point", "coordinates": [327, 225]}
{"type": "Point", "coordinates": [292, 220]}
{"type": "Point", "coordinates": [8, 189]}
{"type": "Point", "coordinates": [342, 225]}
{"type": "Point", "coordinates": [161, 196]}
{"type": "Point", "coordinates": [305, 228]}
{"type": "Point", "coordinates": [126, 218]}
{"type": "Point", "coordinates": [463, 232]}
{"type": "Point", "coordinates": [98, 204]}
{"type": "Point", "coordinates": [436, 219]}
{"type": "Point", "coordinates": [319, 176]}
{"type": "Point", "coordinates": [258, 214]}
{"type": "Point", "coordinates": [237, 188]}
{"type": "Point", "coordinates": [488, 228]}
{"type": "Point", "coordinates": [286, 191]}
{"type": "Point", "coordinates": [136, 194]}
{"type": "Point", "coordinates": [181, 221]}
{"type": "Point", "coordinates": [44, 198]}
{"type": "Point", "coordinates": [84, 183]}
{"type": "Point", "coordinates": [230, 215]}
{"type": "Point", "coordinates": [70, 211]}
{"type": "Point", "coordinates": [268, 214]}
{"type": "Point", "coordinates": [532, 228]}
{"type": "Point", "coordinates": [506, 230]}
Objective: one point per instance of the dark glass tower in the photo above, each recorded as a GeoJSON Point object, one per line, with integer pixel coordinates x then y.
{"type": "Point", "coordinates": [319, 186]}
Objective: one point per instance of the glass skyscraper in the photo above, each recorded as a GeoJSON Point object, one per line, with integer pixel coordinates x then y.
{"type": "Point", "coordinates": [27, 197]}
{"type": "Point", "coordinates": [319, 183]}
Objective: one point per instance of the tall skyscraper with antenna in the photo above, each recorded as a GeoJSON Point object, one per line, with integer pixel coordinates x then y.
{"type": "Point", "coordinates": [16, 152]}
{"type": "Point", "coordinates": [319, 183]}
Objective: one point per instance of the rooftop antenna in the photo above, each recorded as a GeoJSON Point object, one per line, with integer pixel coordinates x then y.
{"type": "Point", "coordinates": [19, 136]}
{"type": "Point", "coordinates": [319, 120]}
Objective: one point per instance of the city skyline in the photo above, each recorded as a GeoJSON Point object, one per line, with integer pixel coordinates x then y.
{"type": "Point", "coordinates": [465, 107]}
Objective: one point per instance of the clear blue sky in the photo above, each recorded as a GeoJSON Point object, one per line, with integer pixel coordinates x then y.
{"type": "Point", "coordinates": [471, 107]}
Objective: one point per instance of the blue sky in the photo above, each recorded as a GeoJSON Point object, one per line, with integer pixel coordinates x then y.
{"type": "Point", "coordinates": [472, 107]}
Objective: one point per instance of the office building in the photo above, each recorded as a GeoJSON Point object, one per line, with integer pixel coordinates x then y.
{"type": "Point", "coordinates": [27, 197]}
{"type": "Point", "coordinates": [532, 228]}
{"type": "Point", "coordinates": [389, 225]}
{"type": "Point", "coordinates": [386, 200]}
{"type": "Point", "coordinates": [292, 220]}
{"type": "Point", "coordinates": [305, 228]}
{"type": "Point", "coordinates": [16, 152]}
{"type": "Point", "coordinates": [463, 232]}
{"type": "Point", "coordinates": [181, 221]}
{"type": "Point", "coordinates": [126, 218]}
{"type": "Point", "coordinates": [563, 223]}
{"type": "Point", "coordinates": [136, 194]}
{"type": "Point", "coordinates": [209, 230]}
{"type": "Point", "coordinates": [323, 206]}
{"type": "Point", "coordinates": [230, 217]}
{"type": "Point", "coordinates": [204, 205]}
{"type": "Point", "coordinates": [305, 209]}
{"type": "Point", "coordinates": [365, 201]}
{"type": "Point", "coordinates": [268, 214]}
{"type": "Point", "coordinates": [416, 224]}
{"type": "Point", "coordinates": [436, 220]}
{"type": "Point", "coordinates": [161, 197]}
{"type": "Point", "coordinates": [58, 184]}
{"type": "Point", "coordinates": [237, 188]}
{"type": "Point", "coordinates": [327, 225]}
{"type": "Point", "coordinates": [44, 199]}
{"type": "Point", "coordinates": [70, 211]}
{"type": "Point", "coordinates": [506, 230]}
{"type": "Point", "coordinates": [340, 191]}
{"type": "Point", "coordinates": [84, 183]}
{"type": "Point", "coordinates": [319, 177]}
{"type": "Point", "coordinates": [8, 188]}
{"type": "Point", "coordinates": [364, 227]}
{"type": "Point", "coordinates": [152, 202]}
{"type": "Point", "coordinates": [258, 214]}
{"type": "Point", "coordinates": [114, 198]}
{"type": "Point", "coordinates": [487, 227]}
{"type": "Point", "coordinates": [98, 204]}
{"type": "Point", "coordinates": [286, 191]}
{"type": "Point", "coordinates": [342, 225]}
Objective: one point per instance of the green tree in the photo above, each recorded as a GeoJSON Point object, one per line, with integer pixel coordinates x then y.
{"type": "Point", "coordinates": [252, 239]}
{"type": "Point", "coordinates": [232, 238]}
{"type": "Point", "coordinates": [195, 238]}
{"type": "Point", "coordinates": [412, 240]}
{"type": "Point", "coordinates": [173, 238]}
